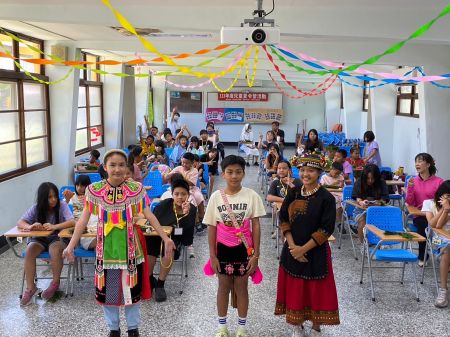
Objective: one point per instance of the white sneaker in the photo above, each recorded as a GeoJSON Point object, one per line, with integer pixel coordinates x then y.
{"type": "Point", "coordinates": [222, 332]}
{"type": "Point", "coordinates": [299, 331]}
{"type": "Point", "coordinates": [442, 298]}
{"type": "Point", "coordinates": [274, 235]}
{"type": "Point", "coordinates": [241, 332]}
{"type": "Point", "coordinates": [315, 333]}
{"type": "Point", "coordinates": [191, 252]}
{"type": "Point", "coordinates": [422, 263]}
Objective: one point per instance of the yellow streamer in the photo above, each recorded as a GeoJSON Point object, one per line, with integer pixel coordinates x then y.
{"type": "Point", "coordinates": [251, 81]}
{"type": "Point", "coordinates": [150, 47]}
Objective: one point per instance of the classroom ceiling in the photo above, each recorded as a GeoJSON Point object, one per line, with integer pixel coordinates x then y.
{"type": "Point", "coordinates": [188, 25]}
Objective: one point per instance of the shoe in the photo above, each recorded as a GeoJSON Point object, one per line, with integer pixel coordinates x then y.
{"type": "Point", "coordinates": [133, 333]}
{"type": "Point", "coordinates": [256, 163]}
{"type": "Point", "coordinates": [241, 332]}
{"type": "Point", "coordinates": [27, 296]}
{"type": "Point", "coordinates": [222, 332]}
{"type": "Point", "coordinates": [247, 164]}
{"type": "Point", "coordinates": [299, 331]}
{"type": "Point", "coordinates": [442, 298]}
{"type": "Point", "coordinates": [160, 294]}
{"type": "Point", "coordinates": [114, 333]}
{"type": "Point", "coordinates": [191, 252]}
{"type": "Point", "coordinates": [274, 235]}
{"type": "Point", "coordinates": [354, 229]}
{"type": "Point", "coordinates": [421, 263]}
{"type": "Point", "coordinates": [315, 333]}
{"type": "Point", "coordinates": [50, 291]}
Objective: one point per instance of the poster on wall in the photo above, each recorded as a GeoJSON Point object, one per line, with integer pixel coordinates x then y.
{"type": "Point", "coordinates": [259, 115]}
{"type": "Point", "coordinates": [234, 115]}
{"type": "Point", "coordinates": [215, 115]}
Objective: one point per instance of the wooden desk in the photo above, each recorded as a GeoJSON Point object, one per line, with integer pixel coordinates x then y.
{"type": "Point", "coordinates": [414, 211]}
{"type": "Point", "coordinates": [15, 232]}
{"type": "Point", "coordinates": [442, 232]}
{"type": "Point", "coordinates": [395, 183]}
{"type": "Point", "coordinates": [331, 189]}
{"type": "Point", "coordinates": [354, 203]}
{"type": "Point", "coordinates": [68, 232]}
{"type": "Point", "coordinates": [394, 238]}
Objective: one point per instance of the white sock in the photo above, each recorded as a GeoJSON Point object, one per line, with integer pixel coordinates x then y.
{"type": "Point", "coordinates": [222, 321]}
{"type": "Point", "coordinates": [242, 322]}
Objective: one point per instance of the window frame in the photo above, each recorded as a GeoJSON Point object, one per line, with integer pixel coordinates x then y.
{"type": "Point", "coordinates": [86, 66]}
{"type": "Point", "coordinates": [87, 85]}
{"type": "Point", "coordinates": [365, 95]}
{"type": "Point", "coordinates": [413, 97]}
{"type": "Point", "coordinates": [16, 51]}
{"type": "Point", "coordinates": [20, 78]}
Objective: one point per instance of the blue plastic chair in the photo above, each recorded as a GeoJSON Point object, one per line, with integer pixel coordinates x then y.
{"type": "Point", "coordinates": [63, 188]}
{"type": "Point", "coordinates": [347, 217]}
{"type": "Point", "coordinates": [205, 191]}
{"type": "Point", "coordinates": [386, 218]}
{"type": "Point", "coordinates": [154, 179]}
{"type": "Point", "coordinates": [386, 169]}
{"type": "Point", "coordinates": [295, 173]}
{"type": "Point", "coordinates": [94, 176]}
{"type": "Point", "coordinates": [169, 151]}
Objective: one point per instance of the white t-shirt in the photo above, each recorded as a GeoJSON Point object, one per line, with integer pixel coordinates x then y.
{"type": "Point", "coordinates": [430, 206]}
{"type": "Point", "coordinates": [246, 204]}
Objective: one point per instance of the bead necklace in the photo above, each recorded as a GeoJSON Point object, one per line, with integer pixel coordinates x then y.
{"type": "Point", "coordinates": [309, 193]}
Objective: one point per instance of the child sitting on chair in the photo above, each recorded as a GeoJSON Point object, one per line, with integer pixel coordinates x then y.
{"type": "Point", "coordinates": [48, 214]}
{"type": "Point", "coordinates": [77, 201]}
{"type": "Point", "coordinates": [335, 179]}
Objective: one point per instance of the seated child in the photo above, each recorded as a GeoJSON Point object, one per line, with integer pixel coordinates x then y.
{"type": "Point", "coordinates": [77, 201]}
{"type": "Point", "coordinates": [341, 157]}
{"type": "Point", "coordinates": [94, 158]}
{"type": "Point", "coordinates": [204, 143]}
{"type": "Point", "coordinates": [179, 213]}
{"type": "Point", "coordinates": [437, 211]}
{"type": "Point", "coordinates": [168, 138]}
{"type": "Point", "coordinates": [194, 146]}
{"type": "Point", "coordinates": [335, 179]}
{"type": "Point", "coordinates": [272, 159]}
{"type": "Point", "coordinates": [279, 187]}
{"type": "Point", "coordinates": [356, 162]}
{"type": "Point", "coordinates": [48, 214]}
{"type": "Point", "coordinates": [212, 159]}
{"type": "Point", "coordinates": [160, 155]}
{"type": "Point", "coordinates": [191, 176]}
{"type": "Point", "coordinates": [135, 159]}
{"type": "Point", "coordinates": [178, 151]}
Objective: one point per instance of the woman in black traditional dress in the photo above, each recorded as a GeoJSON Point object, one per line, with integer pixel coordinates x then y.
{"type": "Point", "coordinates": [306, 289]}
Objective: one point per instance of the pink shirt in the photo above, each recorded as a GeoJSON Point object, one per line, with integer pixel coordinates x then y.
{"type": "Point", "coordinates": [191, 175]}
{"type": "Point", "coordinates": [422, 190]}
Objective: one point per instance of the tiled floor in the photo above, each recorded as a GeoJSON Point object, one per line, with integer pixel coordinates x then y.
{"type": "Point", "coordinates": [395, 313]}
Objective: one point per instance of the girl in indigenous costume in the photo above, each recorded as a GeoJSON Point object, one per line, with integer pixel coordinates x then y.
{"type": "Point", "coordinates": [306, 289]}
{"type": "Point", "coordinates": [121, 269]}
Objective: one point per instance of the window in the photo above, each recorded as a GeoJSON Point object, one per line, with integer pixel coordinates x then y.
{"type": "Point", "coordinates": [25, 144]}
{"type": "Point", "coordinates": [366, 94]}
{"type": "Point", "coordinates": [186, 101]}
{"type": "Point", "coordinates": [88, 74]}
{"type": "Point", "coordinates": [21, 50]}
{"type": "Point", "coordinates": [90, 117]}
{"type": "Point", "coordinates": [407, 100]}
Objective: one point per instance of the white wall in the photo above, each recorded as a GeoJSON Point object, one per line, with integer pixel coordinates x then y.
{"type": "Point", "coordinates": [295, 110]}
{"type": "Point", "coordinates": [352, 111]}
{"type": "Point", "coordinates": [333, 106]}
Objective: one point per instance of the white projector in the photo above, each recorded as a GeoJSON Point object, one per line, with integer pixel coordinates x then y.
{"type": "Point", "coordinates": [250, 35]}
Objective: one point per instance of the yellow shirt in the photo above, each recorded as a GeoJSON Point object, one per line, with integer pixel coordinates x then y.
{"type": "Point", "coordinates": [147, 150]}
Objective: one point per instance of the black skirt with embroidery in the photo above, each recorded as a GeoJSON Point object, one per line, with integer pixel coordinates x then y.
{"type": "Point", "coordinates": [233, 260]}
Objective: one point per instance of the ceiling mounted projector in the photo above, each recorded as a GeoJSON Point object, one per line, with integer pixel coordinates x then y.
{"type": "Point", "coordinates": [250, 35]}
{"type": "Point", "coordinates": [257, 31]}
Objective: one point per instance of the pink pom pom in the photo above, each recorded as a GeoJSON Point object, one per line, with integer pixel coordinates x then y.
{"type": "Point", "coordinates": [257, 276]}
{"type": "Point", "coordinates": [207, 269]}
